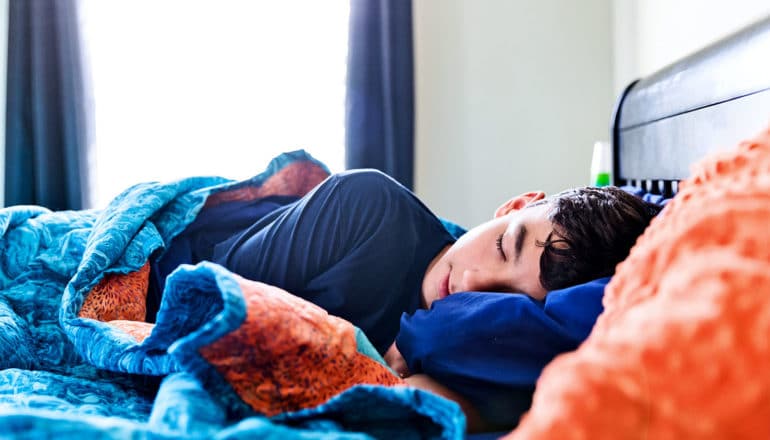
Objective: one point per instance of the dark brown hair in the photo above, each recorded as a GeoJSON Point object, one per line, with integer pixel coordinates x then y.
{"type": "Point", "coordinates": [594, 230]}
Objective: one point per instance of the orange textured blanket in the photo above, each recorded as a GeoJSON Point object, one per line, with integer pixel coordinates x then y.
{"type": "Point", "coordinates": [682, 349]}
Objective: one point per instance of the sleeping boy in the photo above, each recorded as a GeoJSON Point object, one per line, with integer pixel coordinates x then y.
{"type": "Point", "coordinates": [365, 249]}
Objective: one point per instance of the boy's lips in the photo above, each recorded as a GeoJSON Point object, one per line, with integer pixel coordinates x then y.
{"type": "Point", "coordinates": [443, 287]}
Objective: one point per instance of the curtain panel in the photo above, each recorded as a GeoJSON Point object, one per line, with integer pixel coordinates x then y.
{"type": "Point", "coordinates": [46, 130]}
{"type": "Point", "coordinates": [379, 113]}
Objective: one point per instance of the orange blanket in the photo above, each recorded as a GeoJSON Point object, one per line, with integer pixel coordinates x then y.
{"type": "Point", "coordinates": [288, 354]}
{"type": "Point", "coordinates": [682, 349]}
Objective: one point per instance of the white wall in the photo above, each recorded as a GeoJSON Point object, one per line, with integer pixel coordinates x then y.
{"type": "Point", "coordinates": [650, 34]}
{"type": "Point", "coordinates": [511, 94]}
{"type": "Point", "coordinates": [3, 55]}
{"type": "Point", "coordinates": [510, 97]}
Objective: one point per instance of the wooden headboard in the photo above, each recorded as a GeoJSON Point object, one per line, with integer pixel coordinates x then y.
{"type": "Point", "coordinates": [707, 101]}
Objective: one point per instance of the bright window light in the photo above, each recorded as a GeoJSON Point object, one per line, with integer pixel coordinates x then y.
{"type": "Point", "coordinates": [211, 87]}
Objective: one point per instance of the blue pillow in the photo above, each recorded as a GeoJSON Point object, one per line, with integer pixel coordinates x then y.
{"type": "Point", "coordinates": [491, 347]}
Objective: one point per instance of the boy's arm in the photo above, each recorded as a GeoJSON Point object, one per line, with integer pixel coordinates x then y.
{"type": "Point", "coordinates": [394, 359]}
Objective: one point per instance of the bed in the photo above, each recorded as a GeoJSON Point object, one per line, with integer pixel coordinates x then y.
{"type": "Point", "coordinates": [76, 358]}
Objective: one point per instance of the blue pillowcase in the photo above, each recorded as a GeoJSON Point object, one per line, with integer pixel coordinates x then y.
{"type": "Point", "coordinates": [491, 347]}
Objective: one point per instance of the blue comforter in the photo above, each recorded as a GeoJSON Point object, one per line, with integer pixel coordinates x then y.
{"type": "Point", "coordinates": [63, 375]}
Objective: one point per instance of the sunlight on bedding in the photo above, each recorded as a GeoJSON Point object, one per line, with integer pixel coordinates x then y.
{"type": "Point", "coordinates": [211, 88]}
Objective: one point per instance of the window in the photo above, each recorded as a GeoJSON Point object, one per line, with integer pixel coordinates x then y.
{"type": "Point", "coordinates": [196, 87]}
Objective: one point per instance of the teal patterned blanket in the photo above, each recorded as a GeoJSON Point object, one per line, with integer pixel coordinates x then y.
{"type": "Point", "coordinates": [76, 358]}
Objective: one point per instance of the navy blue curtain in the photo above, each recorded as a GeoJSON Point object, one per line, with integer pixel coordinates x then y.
{"type": "Point", "coordinates": [46, 129]}
{"type": "Point", "coordinates": [379, 125]}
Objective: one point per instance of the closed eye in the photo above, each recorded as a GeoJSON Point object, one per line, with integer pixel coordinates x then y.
{"type": "Point", "coordinates": [499, 243]}
{"type": "Point", "coordinates": [521, 235]}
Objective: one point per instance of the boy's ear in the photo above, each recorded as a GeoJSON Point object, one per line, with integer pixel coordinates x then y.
{"type": "Point", "coordinates": [519, 202]}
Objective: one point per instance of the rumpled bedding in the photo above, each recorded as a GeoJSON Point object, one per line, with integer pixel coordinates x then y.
{"type": "Point", "coordinates": [77, 358]}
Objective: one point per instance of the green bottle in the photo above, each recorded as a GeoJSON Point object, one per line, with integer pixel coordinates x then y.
{"type": "Point", "coordinates": [601, 164]}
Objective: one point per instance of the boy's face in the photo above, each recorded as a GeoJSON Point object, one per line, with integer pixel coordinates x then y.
{"type": "Point", "coordinates": [500, 255]}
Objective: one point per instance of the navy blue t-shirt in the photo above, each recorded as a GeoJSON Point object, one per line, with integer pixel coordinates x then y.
{"type": "Point", "coordinates": [357, 245]}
